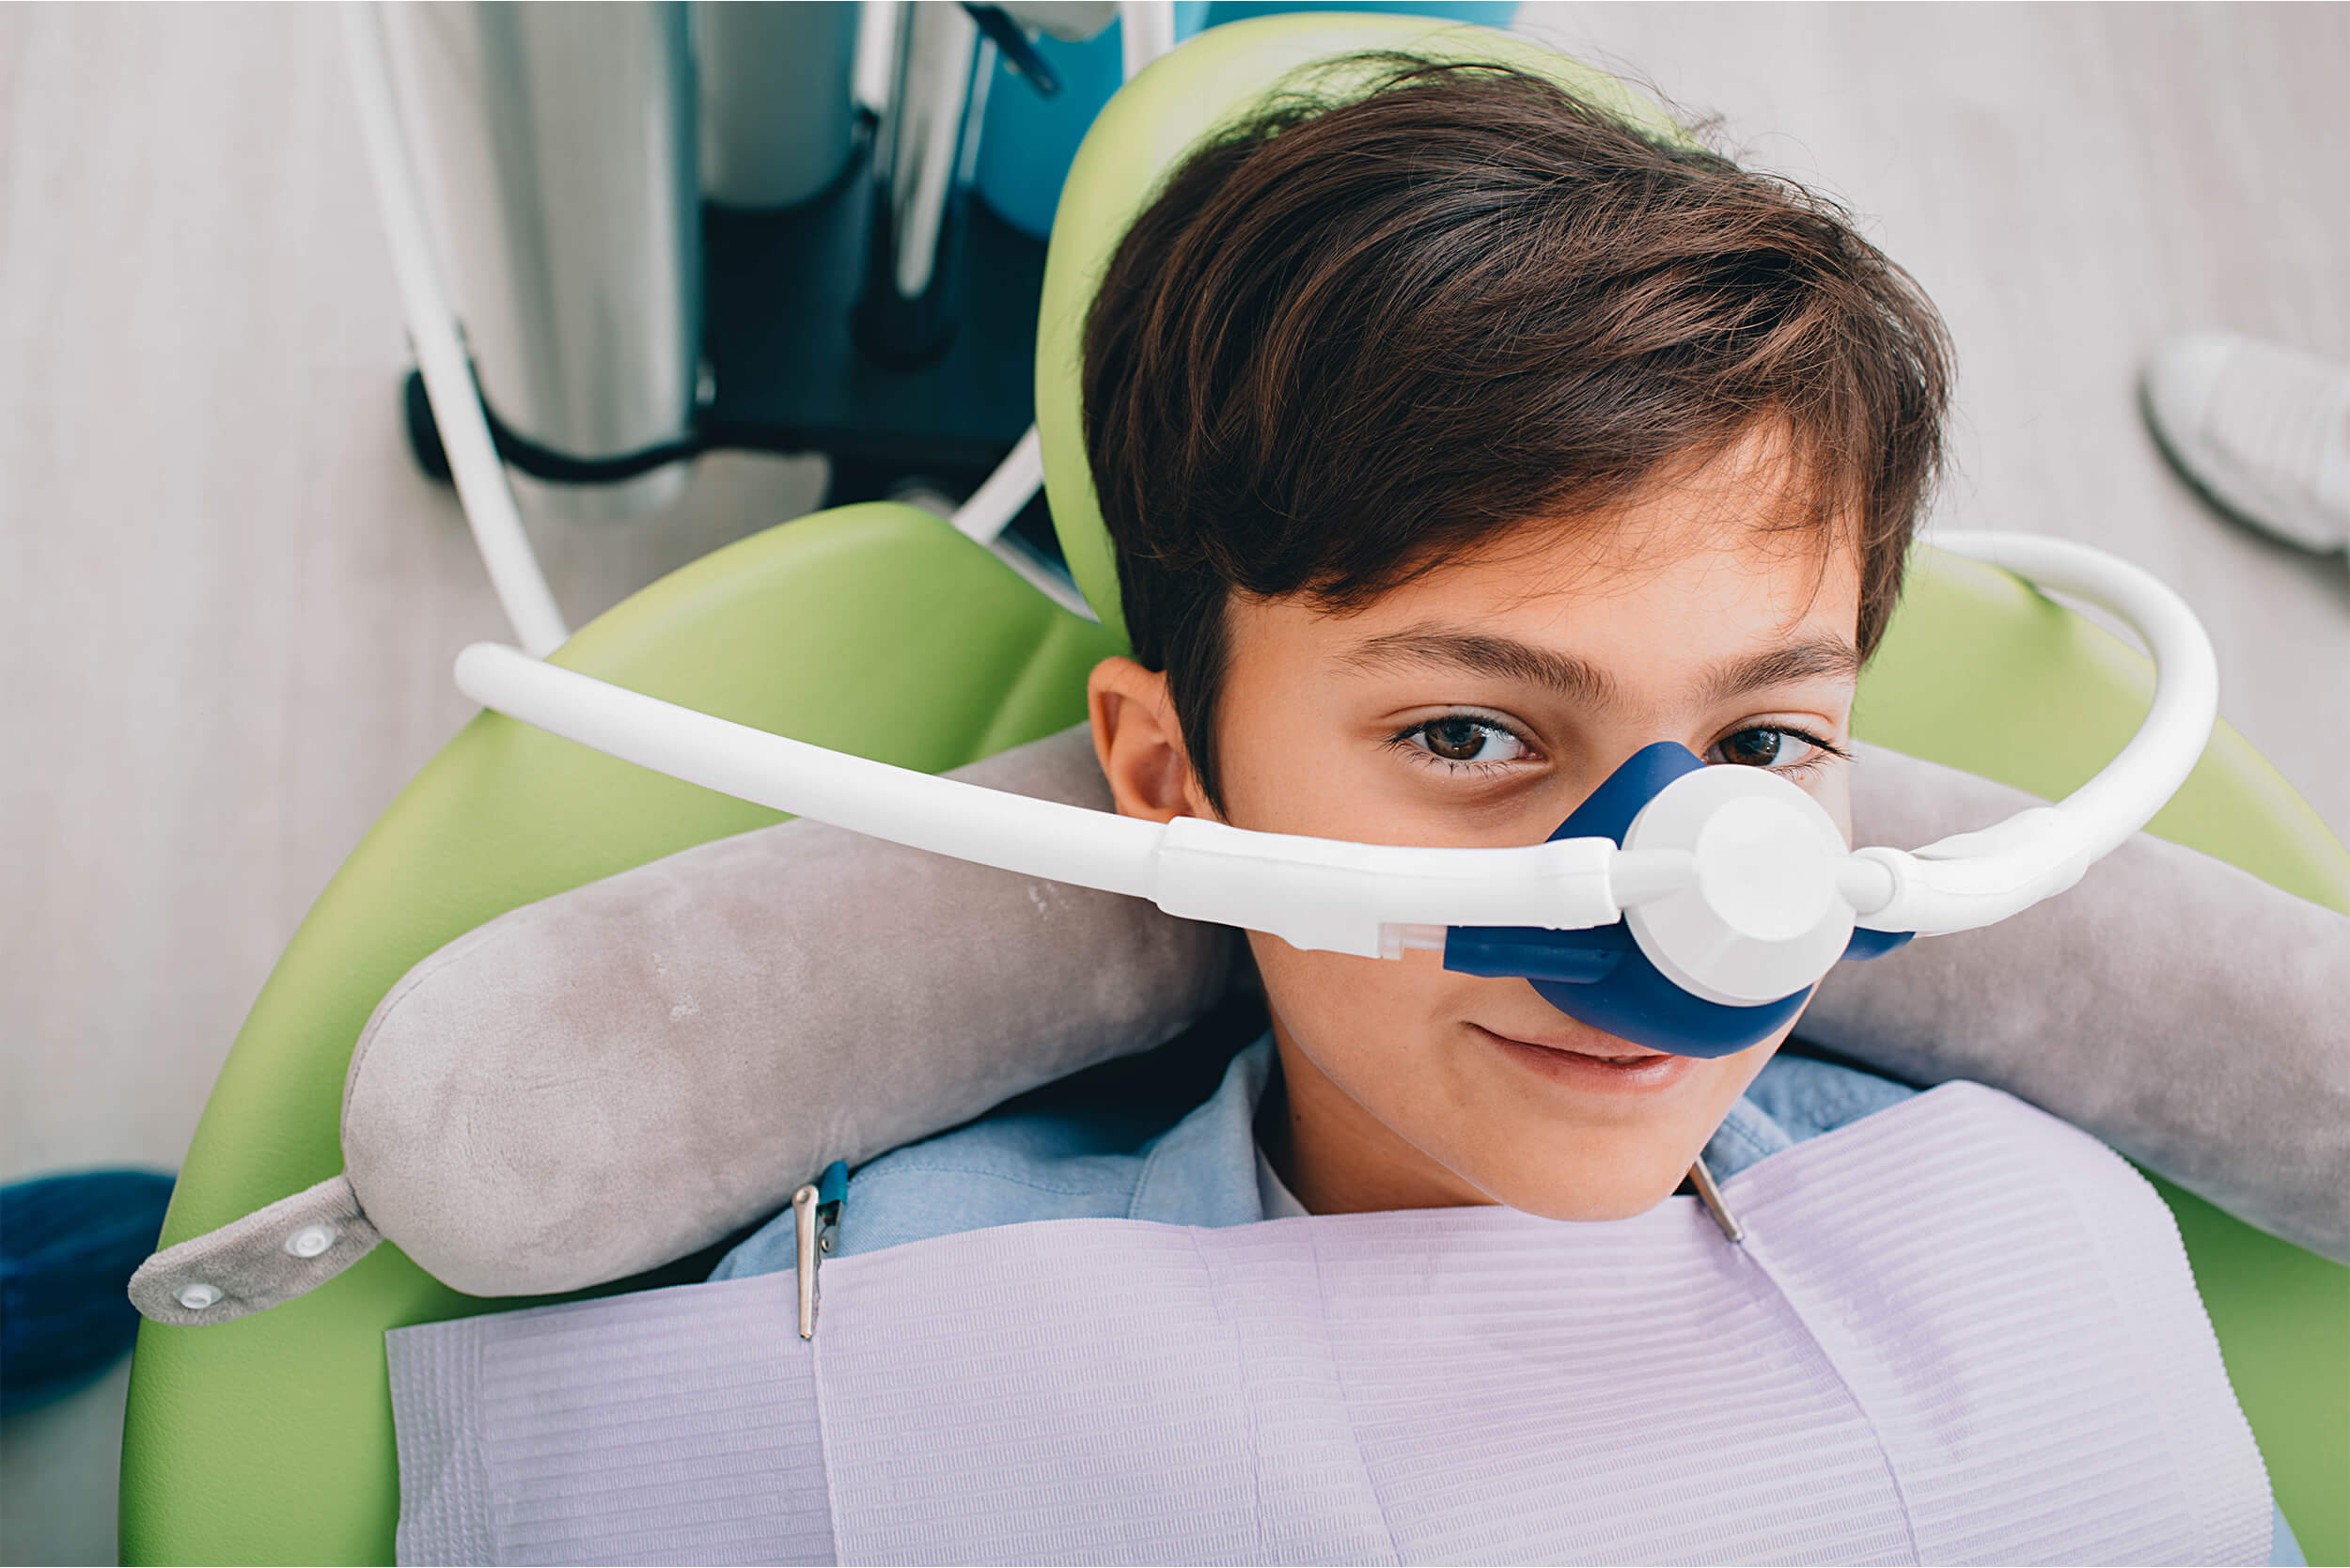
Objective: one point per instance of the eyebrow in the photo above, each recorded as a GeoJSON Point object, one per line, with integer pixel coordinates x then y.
{"type": "Point", "coordinates": [1798, 661]}
{"type": "Point", "coordinates": [1587, 683]}
{"type": "Point", "coordinates": [1503, 658]}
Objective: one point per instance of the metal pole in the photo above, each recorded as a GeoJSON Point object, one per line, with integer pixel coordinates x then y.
{"type": "Point", "coordinates": [561, 139]}
{"type": "Point", "coordinates": [473, 459]}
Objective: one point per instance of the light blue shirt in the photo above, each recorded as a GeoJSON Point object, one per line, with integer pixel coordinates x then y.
{"type": "Point", "coordinates": [1117, 1143]}
{"type": "Point", "coordinates": [1090, 1151]}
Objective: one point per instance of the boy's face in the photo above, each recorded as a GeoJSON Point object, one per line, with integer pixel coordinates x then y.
{"type": "Point", "coordinates": [1478, 705]}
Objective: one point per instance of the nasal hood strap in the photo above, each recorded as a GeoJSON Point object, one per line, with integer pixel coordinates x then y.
{"type": "Point", "coordinates": [1738, 902]}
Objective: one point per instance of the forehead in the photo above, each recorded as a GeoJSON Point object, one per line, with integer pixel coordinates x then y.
{"type": "Point", "coordinates": [1724, 562]}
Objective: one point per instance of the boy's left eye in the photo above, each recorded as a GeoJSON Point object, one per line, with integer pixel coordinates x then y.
{"type": "Point", "coordinates": [1464, 740]}
{"type": "Point", "coordinates": [1768, 746]}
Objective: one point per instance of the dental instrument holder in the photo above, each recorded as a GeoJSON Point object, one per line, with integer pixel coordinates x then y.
{"type": "Point", "coordinates": [888, 320]}
{"type": "Point", "coordinates": [1731, 882]}
{"type": "Point", "coordinates": [816, 1226]}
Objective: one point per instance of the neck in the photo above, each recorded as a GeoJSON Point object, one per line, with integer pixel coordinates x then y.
{"type": "Point", "coordinates": [1338, 1158]}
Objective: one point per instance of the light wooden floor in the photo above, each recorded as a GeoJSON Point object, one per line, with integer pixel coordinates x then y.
{"type": "Point", "coordinates": [233, 604]}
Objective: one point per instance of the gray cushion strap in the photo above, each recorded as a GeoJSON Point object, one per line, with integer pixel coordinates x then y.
{"type": "Point", "coordinates": [271, 1255]}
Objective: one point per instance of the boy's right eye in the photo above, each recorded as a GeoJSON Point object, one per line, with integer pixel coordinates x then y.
{"type": "Point", "coordinates": [1463, 740]}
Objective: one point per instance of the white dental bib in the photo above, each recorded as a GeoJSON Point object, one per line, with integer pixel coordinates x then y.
{"type": "Point", "coordinates": [1958, 1331]}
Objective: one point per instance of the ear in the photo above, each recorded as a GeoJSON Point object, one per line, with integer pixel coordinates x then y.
{"type": "Point", "coordinates": [1140, 744]}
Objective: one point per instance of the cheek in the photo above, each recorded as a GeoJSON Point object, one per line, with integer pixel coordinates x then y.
{"type": "Point", "coordinates": [1362, 1020]}
{"type": "Point", "coordinates": [1387, 1035]}
{"type": "Point", "coordinates": [1834, 794]}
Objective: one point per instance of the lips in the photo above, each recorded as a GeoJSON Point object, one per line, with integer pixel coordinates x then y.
{"type": "Point", "coordinates": [1613, 1051]}
{"type": "Point", "coordinates": [1591, 1061]}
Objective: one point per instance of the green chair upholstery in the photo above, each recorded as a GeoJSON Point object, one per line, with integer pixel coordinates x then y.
{"type": "Point", "coordinates": [874, 629]}
{"type": "Point", "coordinates": [877, 630]}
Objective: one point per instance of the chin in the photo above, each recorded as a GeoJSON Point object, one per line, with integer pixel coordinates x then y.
{"type": "Point", "coordinates": [1586, 1197]}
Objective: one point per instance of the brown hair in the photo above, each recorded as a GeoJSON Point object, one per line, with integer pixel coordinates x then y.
{"type": "Point", "coordinates": [1350, 340]}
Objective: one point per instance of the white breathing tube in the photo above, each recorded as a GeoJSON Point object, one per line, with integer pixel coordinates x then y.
{"type": "Point", "coordinates": [1374, 900]}
{"type": "Point", "coordinates": [1322, 893]}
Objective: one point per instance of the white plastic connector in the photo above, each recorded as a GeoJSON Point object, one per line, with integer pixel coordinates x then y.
{"type": "Point", "coordinates": [1395, 941]}
{"type": "Point", "coordinates": [1975, 879]}
{"type": "Point", "coordinates": [1333, 895]}
{"type": "Point", "coordinates": [1764, 916]}
{"type": "Point", "coordinates": [1868, 885]}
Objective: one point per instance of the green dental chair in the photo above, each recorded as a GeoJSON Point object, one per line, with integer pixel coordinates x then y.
{"type": "Point", "coordinates": [877, 629]}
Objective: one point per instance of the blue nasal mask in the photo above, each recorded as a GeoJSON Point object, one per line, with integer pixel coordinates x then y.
{"type": "Point", "coordinates": [1599, 975]}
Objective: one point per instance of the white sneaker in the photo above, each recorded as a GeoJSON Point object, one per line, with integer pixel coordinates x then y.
{"type": "Point", "coordinates": [2263, 431]}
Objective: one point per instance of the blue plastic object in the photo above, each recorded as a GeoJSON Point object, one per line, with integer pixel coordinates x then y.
{"type": "Point", "coordinates": [67, 1246]}
{"type": "Point", "coordinates": [1600, 975]}
{"type": "Point", "coordinates": [833, 1185]}
{"type": "Point", "coordinates": [1027, 141]}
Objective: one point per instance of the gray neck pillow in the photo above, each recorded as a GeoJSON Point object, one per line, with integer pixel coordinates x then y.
{"type": "Point", "coordinates": [647, 1064]}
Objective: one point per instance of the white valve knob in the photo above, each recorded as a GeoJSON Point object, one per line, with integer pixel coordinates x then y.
{"type": "Point", "coordinates": [1763, 917]}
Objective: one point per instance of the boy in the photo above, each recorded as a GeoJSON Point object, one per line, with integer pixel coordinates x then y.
{"type": "Point", "coordinates": [1457, 442]}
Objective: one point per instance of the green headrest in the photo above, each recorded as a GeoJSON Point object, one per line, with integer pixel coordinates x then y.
{"type": "Point", "coordinates": [1142, 134]}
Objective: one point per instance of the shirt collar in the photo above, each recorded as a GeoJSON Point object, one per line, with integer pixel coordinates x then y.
{"type": "Point", "coordinates": [1203, 1170]}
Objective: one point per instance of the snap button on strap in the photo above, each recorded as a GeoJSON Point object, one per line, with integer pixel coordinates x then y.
{"type": "Point", "coordinates": [312, 1240]}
